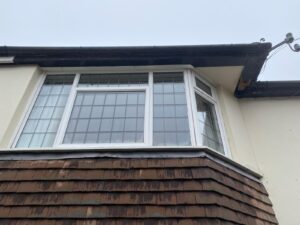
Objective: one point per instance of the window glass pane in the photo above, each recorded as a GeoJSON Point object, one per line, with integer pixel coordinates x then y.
{"type": "Point", "coordinates": [99, 99]}
{"type": "Point", "coordinates": [78, 138]}
{"type": "Point", "coordinates": [68, 138]}
{"type": "Point", "coordinates": [117, 137]}
{"type": "Point", "coordinates": [108, 111]}
{"type": "Point", "coordinates": [107, 80]}
{"type": "Point", "coordinates": [88, 99]}
{"type": "Point", "coordinates": [94, 125]}
{"type": "Point", "coordinates": [130, 137]}
{"type": "Point", "coordinates": [207, 124]}
{"type": "Point", "coordinates": [47, 113]}
{"type": "Point", "coordinates": [170, 117]}
{"type": "Point", "coordinates": [58, 111]}
{"type": "Point", "coordinates": [91, 137]}
{"type": "Point", "coordinates": [36, 112]}
{"type": "Point", "coordinates": [41, 127]}
{"type": "Point", "coordinates": [25, 140]}
{"type": "Point", "coordinates": [117, 117]}
{"type": "Point", "coordinates": [30, 126]}
{"type": "Point", "coordinates": [139, 137]}
{"type": "Point", "coordinates": [130, 125]}
{"type": "Point", "coordinates": [118, 125]}
{"type": "Point", "coordinates": [204, 87]}
{"type": "Point", "coordinates": [104, 137]}
{"type": "Point", "coordinates": [169, 111]}
{"type": "Point", "coordinates": [183, 138]}
{"type": "Point", "coordinates": [82, 125]}
{"type": "Point", "coordinates": [131, 111]}
{"type": "Point", "coordinates": [120, 111]}
{"type": "Point", "coordinates": [121, 99]}
{"type": "Point", "coordinates": [37, 140]}
{"type": "Point", "coordinates": [53, 126]}
{"type": "Point", "coordinates": [96, 111]}
{"type": "Point", "coordinates": [106, 125]}
{"type": "Point", "coordinates": [85, 112]}
{"type": "Point", "coordinates": [110, 99]}
{"type": "Point", "coordinates": [48, 139]}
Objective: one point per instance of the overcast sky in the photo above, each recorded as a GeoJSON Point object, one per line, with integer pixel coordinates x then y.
{"type": "Point", "coordinates": [155, 22]}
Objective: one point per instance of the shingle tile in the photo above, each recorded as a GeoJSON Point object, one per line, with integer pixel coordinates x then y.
{"type": "Point", "coordinates": [144, 191]}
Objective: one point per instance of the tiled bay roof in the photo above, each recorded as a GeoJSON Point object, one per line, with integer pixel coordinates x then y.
{"type": "Point", "coordinates": [119, 191]}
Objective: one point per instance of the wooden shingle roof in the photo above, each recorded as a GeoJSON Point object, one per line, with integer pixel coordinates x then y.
{"type": "Point", "coordinates": [119, 191]}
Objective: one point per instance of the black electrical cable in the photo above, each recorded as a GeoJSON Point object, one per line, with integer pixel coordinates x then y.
{"type": "Point", "coordinates": [275, 52]}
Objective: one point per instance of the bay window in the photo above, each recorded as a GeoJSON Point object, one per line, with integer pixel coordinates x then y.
{"type": "Point", "coordinates": [123, 109]}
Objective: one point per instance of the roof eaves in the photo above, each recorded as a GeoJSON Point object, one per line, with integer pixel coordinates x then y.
{"type": "Point", "coordinates": [196, 55]}
{"type": "Point", "coordinates": [271, 89]}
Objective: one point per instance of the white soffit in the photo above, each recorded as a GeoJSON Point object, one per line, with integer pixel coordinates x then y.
{"type": "Point", "coordinates": [225, 76]}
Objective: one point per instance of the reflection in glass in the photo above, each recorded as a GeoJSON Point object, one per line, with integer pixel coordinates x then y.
{"type": "Point", "coordinates": [204, 87]}
{"type": "Point", "coordinates": [207, 124]}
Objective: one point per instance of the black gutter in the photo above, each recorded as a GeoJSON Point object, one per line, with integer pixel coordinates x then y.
{"type": "Point", "coordinates": [196, 55]}
{"type": "Point", "coordinates": [271, 89]}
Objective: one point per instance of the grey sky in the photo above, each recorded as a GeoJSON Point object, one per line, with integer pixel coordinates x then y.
{"type": "Point", "coordinates": [155, 22]}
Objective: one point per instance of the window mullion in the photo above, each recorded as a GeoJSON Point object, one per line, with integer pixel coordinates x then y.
{"type": "Point", "coordinates": [194, 108]}
{"type": "Point", "coordinates": [221, 127]}
{"type": "Point", "coordinates": [66, 115]}
{"type": "Point", "coordinates": [150, 111]}
{"type": "Point", "coordinates": [191, 116]}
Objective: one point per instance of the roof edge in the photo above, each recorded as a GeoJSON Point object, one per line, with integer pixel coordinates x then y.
{"type": "Point", "coordinates": [271, 89]}
{"type": "Point", "coordinates": [196, 55]}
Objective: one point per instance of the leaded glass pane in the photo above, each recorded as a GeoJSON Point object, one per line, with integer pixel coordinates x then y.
{"type": "Point", "coordinates": [204, 87]}
{"type": "Point", "coordinates": [42, 124]}
{"type": "Point", "coordinates": [170, 119]}
{"type": "Point", "coordinates": [210, 134]}
{"type": "Point", "coordinates": [115, 80]}
{"type": "Point", "coordinates": [111, 117]}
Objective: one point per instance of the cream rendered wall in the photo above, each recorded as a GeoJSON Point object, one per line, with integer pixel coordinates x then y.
{"type": "Point", "coordinates": [225, 79]}
{"type": "Point", "coordinates": [237, 135]}
{"type": "Point", "coordinates": [17, 85]}
{"type": "Point", "coordinates": [273, 126]}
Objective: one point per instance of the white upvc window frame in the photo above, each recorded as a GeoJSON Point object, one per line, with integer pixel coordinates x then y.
{"type": "Point", "coordinates": [213, 99]}
{"type": "Point", "coordinates": [189, 76]}
{"type": "Point", "coordinates": [69, 107]}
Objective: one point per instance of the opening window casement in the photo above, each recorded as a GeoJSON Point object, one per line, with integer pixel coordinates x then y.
{"type": "Point", "coordinates": [207, 120]}
{"type": "Point", "coordinates": [123, 109]}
